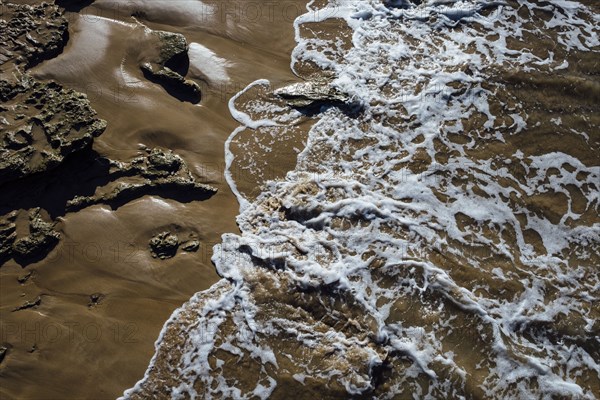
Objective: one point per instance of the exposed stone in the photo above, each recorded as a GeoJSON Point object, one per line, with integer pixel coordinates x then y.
{"type": "Point", "coordinates": [42, 237]}
{"type": "Point", "coordinates": [306, 94]}
{"type": "Point", "coordinates": [3, 352]}
{"type": "Point", "coordinates": [161, 162]}
{"type": "Point", "coordinates": [172, 47]}
{"type": "Point", "coordinates": [7, 235]}
{"type": "Point", "coordinates": [30, 34]}
{"type": "Point", "coordinates": [23, 279]}
{"type": "Point", "coordinates": [95, 299]}
{"type": "Point", "coordinates": [184, 89]}
{"type": "Point", "coordinates": [29, 304]}
{"type": "Point", "coordinates": [44, 123]}
{"type": "Point", "coordinates": [191, 246]}
{"type": "Point", "coordinates": [170, 65]}
{"type": "Point", "coordinates": [164, 245]}
{"type": "Point", "coordinates": [161, 172]}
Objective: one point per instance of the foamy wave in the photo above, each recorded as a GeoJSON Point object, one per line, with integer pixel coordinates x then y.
{"type": "Point", "coordinates": [440, 242]}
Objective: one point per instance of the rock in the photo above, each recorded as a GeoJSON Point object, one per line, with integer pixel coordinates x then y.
{"type": "Point", "coordinates": [160, 162]}
{"type": "Point", "coordinates": [170, 65]}
{"type": "Point", "coordinates": [29, 304]}
{"type": "Point", "coordinates": [7, 236]}
{"type": "Point", "coordinates": [42, 238]}
{"type": "Point", "coordinates": [45, 123]}
{"type": "Point", "coordinates": [95, 299]}
{"type": "Point", "coordinates": [164, 245]}
{"type": "Point", "coordinates": [3, 352]}
{"type": "Point", "coordinates": [172, 47]}
{"type": "Point", "coordinates": [305, 94]}
{"type": "Point", "coordinates": [24, 278]}
{"type": "Point", "coordinates": [191, 246]}
{"type": "Point", "coordinates": [173, 82]}
{"type": "Point", "coordinates": [30, 34]}
{"type": "Point", "coordinates": [161, 172]}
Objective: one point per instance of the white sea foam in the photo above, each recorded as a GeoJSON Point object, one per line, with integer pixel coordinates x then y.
{"type": "Point", "coordinates": [362, 222]}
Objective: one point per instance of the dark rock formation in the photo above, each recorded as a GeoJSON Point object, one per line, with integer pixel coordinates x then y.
{"type": "Point", "coordinates": [160, 172]}
{"type": "Point", "coordinates": [170, 65]}
{"type": "Point", "coordinates": [164, 245]}
{"type": "Point", "coordinates": [30, 34]}
{"type": "Point", "coordinates": [29, 304]}
{"type": "Point", "coordinates": [42, 123]}
{"type": "Point", "coordinates": [7, 236]}
{"type": "Point", "coordinates": [42, 238]}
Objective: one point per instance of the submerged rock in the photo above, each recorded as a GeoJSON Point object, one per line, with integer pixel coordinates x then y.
{"type": "Point", "coordinates": [164, 245]}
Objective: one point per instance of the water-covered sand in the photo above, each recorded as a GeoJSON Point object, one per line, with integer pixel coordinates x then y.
{"type": "Point", "coordinates": [439, 236]}
{"type": "Point", "coordinates": [104, 298]}
{"type": "Point", "coordinates": [436, 236]}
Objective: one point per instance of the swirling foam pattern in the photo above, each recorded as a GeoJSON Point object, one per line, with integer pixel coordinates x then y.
{"type": "Point", "coordinates": [437, 239]}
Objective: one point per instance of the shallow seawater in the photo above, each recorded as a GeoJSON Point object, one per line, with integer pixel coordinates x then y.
{"type": "Point", "coordinates": [439, 235]}
{"type": "Point", "coordinates": [435, 234]}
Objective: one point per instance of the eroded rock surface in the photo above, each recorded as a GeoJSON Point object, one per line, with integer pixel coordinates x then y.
{"type": "Point", "coordinates": [169, 66]}
{"type": "Point", "coordinates": [42, 123]}
{"type": "Point", "coordinates": [30, 34]}
{"type": "Point", "coordinates": [158, 172]}
{"type": "Point", "coordinates": [42, 237]}
{"type": "Point", "coordinates": [164, 245]}
{"type": "Point", "coordinates": [7, 235]}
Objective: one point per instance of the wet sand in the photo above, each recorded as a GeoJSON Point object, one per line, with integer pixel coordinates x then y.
{"type": "Point", "coordinates": [103, 297]}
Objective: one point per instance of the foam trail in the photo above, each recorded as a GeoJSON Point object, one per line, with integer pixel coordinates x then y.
{"type": "Point", "coordinates": [441, 241]}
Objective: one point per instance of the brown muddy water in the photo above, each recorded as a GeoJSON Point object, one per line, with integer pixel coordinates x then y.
{"type": "Point", "coordinates": [104, 298]}
{"type": "Point", "coordinates": [419, 220]}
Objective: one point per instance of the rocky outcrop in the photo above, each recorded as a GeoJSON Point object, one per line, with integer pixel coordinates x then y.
{"type": "Point", "coordinates": [190, 246]}
{"type": "Point", "coordinates": [164, 245]}
{"type": "Point", "coordinates": [8, 235]}
{"type": "Point", "coordinates": [42, 238]}
{"type": "Point", "coordinates": [159, 172]}
{"type": "Point", "coordinates": [30, 34]}
{"type": "Point", "coordinates": [29, 304]}
{"type": "Point", "coordinates": [42, 123]}
{"type": "Point", "coordinates": [169, 66]}
{"type": "Point", "coordinates": [3, 352]}
{"type": "Point", "coordinates": [307, 94]}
